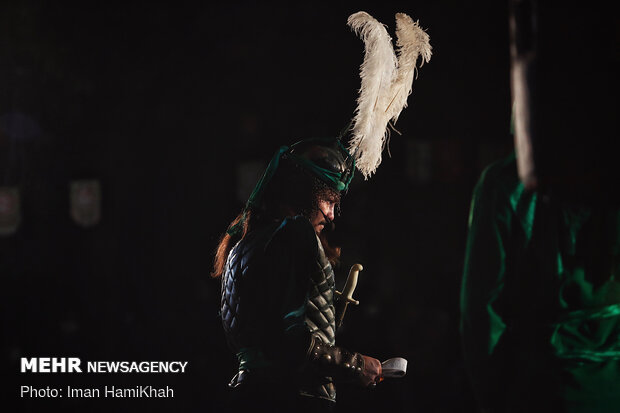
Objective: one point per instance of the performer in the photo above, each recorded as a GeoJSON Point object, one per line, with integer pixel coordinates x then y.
{"type": "Point", "coordinates": [278, 298]}
{"type": "Point", "coordinates": [278, 284]}
{"type": "Point", "coordinates": [540, 298]}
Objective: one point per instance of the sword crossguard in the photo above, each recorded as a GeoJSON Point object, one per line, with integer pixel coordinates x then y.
{"type": "Point", "coordinates": [352, 301]}
{"type": "Point", "coordinates": [348, 299]}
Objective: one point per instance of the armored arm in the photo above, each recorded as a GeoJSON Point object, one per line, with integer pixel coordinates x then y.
{"type": "Point", "coordinates": [343, 365]}
{"type": "Point", "coordinates": [308, 320]}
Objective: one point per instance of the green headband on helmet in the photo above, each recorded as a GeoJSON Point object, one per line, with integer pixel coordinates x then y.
{"type": "Point", "coordinates": [336, 172]}
{"type": "Point", "coordinates": [325, 158]}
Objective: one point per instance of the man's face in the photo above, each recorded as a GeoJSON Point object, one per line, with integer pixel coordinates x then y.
{"type": "Point", "coordinates": [324, 213]}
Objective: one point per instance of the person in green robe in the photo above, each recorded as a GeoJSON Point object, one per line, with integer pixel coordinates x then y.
{"type": "Point", "coordinates": [540, 299]}
{"type": "Point", "coordinates": [540, 294]}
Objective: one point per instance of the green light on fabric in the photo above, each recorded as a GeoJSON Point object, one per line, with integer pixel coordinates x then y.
{"type": "Point", "coordinates": [338, 180]}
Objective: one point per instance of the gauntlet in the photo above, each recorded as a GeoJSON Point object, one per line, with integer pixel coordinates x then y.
{"type": "Point", "coordinates": [336, 362]}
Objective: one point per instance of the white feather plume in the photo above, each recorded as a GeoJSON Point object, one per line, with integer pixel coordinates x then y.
{"type": "Point", "coordinates": [377, 73]}
{"type": "Point", "coordinates": [386, 83]}
{"type": "Point", "coordinates": [412, 42]}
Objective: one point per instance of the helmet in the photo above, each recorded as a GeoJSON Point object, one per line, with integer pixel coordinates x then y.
{"type": "Point", "coordinates": [326, 158]}
{"type": "Point", "coordinates": [323, 158]}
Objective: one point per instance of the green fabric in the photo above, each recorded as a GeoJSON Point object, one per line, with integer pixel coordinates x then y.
{"type": "Point", "coordinates": [251, 358]}
{"type": "Point", "coordinates": [540, 300]}
{"type": "Point", "coordinates": [257, 193]}
{"type": "Point", "coordinates": [333, 179]}
{"type": "Point", "coordinates": [338, 181]}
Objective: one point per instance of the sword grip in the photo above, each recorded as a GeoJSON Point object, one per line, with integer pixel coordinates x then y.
{"type": "Point", "coordinates": [346, 297]}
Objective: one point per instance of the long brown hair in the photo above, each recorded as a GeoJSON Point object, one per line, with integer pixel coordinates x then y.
{"type": "Point", "coordinates": [302, 193]}
{"type": "Point", "coordinates": [227, 242]}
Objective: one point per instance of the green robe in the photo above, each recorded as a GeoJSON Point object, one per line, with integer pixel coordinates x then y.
{"type": "Point", "coordinates": [540, 300]}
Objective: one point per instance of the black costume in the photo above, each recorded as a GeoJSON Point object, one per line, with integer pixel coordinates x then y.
{"type": "Point", "coordinates": [277, 283]}
{"type": "Point", "coordinates": [278, 313]}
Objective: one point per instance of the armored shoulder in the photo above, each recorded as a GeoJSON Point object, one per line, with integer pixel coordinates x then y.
{"type": "Point", "coordinates": [294, 236]}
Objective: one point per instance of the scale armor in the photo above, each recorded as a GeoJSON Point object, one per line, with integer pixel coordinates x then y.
{"type": "Point", "coordinates": [245, 329]}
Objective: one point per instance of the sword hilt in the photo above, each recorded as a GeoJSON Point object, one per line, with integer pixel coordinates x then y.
{"type": "Point", "coordinates": [346, 296]}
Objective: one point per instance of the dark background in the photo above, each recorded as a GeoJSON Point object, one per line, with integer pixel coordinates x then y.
{"type": "Point", "coordinates": [168, 106]}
